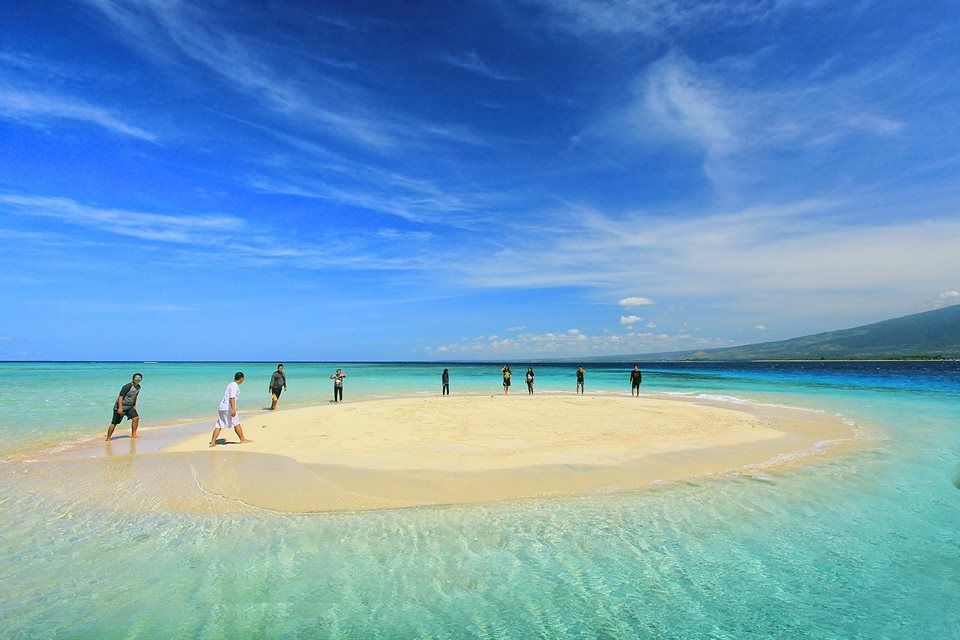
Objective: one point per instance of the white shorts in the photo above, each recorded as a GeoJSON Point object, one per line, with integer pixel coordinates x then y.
{"type": "Point", "coordinates": [225, 420]}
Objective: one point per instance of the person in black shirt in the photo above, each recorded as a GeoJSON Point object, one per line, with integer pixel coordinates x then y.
{"type": "Point", "coordinates": [635, 380]}
{"type": "Point", "coordinates": [445, 381]}
{"type": "Point", "coordinates": [580, 372]}
{"type": "Point", "coordinates": [126, 405]}
{"type": "Point", "coordinates": [530, 380]}
{"type": "Point", "coordinates": [278, 384]}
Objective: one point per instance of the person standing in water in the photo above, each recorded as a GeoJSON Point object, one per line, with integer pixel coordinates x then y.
{"type": "Point", "coordinates": [445, 381]}
{"type": "Point", "coordinates": [635, 380]}
{"type": "Point", "coordinates": [506, 378]}
{"type": "Point", "coordinates": [126, 405]}
{"type": "Point", "coordinates": [338, 385]}
{"type": "Point", "coordinates": [278, 384]}
{"type": "Point", "coordinates": [580, 373]}
{"type": "Point", "coordinates": [227, 415]}
{"type": "Point", "coordinates": [530, 381]}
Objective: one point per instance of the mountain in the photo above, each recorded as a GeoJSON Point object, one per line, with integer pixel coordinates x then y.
{"type": "Point", "coordinates": [931, 334]}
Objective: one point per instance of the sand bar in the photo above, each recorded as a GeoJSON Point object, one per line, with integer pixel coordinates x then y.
{"type": "Point", "coordinates": [422, 451]}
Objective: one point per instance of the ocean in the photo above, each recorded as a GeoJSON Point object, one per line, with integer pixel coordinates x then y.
{"type": "Point", "coordinates": [863, 545]}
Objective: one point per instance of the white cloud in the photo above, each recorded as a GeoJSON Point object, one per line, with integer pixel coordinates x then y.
{"type": "Point", "coordinates": [31, 108]}
{"type": "Point", "coordinates": [761, 327]}
{"type": "Point", "coordinates": [562, 344]}
{"type": "Point", "coordinates": [514, 329]}
{"type": "Point", "coordinates": [635, 301]}
{"type": "Point", "coordinates": [948, 298]}
{"type": "Point", "coordinates": [651, 325]}
{"type": "Point", "coordinates": [630, 319]}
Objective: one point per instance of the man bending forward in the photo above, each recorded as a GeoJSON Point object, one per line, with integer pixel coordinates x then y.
{"type": "Point", "coordinates": [227, 416]}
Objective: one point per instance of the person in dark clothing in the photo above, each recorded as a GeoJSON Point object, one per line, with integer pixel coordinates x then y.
{"type": "Point", "coordinates": [278, 384]}
{"type": "Point", "coordinates": [530, 381]}
{"type": "Point", "coordinates": [126, 405]}
{"type": "Point", "coordinates": [635, 380]}
{"type": "Point", "coordinates": [445, 380]}
{"type": "Point", "coordinates": [506, 378]}
{"type": "Point", "coordinates": [580, 373]}
{"type": "Point", "coordinates": [338, 385]}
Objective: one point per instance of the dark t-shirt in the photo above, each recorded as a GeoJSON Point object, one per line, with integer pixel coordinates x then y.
{"type": "Point", "coordinates": [129, 392]}
{"type": "Point", "coordinates": [279, 379]}
{"type": "Point", "coordinates": [445, 377]}
{"type": "Point", "coordinates": [579, 376]}
{"type": "Point", "coordinates": [635, 377]}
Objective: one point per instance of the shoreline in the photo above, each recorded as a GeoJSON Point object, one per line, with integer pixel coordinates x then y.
{"type": "Point", "coordinates": [419, 451]}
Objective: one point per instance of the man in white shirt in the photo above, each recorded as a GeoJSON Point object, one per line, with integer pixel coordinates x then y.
{"type": "Point", "coordinates": [227, 416]}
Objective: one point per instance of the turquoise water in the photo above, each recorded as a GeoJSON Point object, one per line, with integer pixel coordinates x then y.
{"type": "Point", "coordinates": [863, 546]}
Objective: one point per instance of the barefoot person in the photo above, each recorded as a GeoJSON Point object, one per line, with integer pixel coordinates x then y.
{"type": "Point", "coordinates": [506, 378]}
{"type": "Point", "coordinates": [338, 385]}
{"type": "Point", "coordinates": [126, 405]}
{"type": "Point", "coordinates": [227, 416]}
{"type": "Point", "coordinates": [445, 381]}
{"type": "Point", "coordinates": [530, 381]}
{"type": "Point", "coordinates": [580, 374]}
{"type": "Point", "coordinates": [278, 384]}
{"type": "Point", "coordinates": [635, 380]}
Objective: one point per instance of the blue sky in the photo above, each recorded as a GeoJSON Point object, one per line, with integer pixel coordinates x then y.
{"type": "Point", "coordinates": [201, 180]}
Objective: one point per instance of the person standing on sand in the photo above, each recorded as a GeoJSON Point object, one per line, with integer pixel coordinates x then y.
{"type": "Point", "coordinates": [338, 385]}
{"type": "Point", "coordinates": [530, 381]}
{"type": "Point", "coordinates": [635, 380]}
{"type": "Point", "coordinates": [126, 405]}
{"type": "Point", "coordinates": [278, 384]}
{"type": "Point", "coordinates": [445, 381]}
{"type": "Point", "coordinates": [580, 373]}
{"type": "Point", "coordinates": [227, 416]}
{"type": "Point", "coordinates": [506, 378]}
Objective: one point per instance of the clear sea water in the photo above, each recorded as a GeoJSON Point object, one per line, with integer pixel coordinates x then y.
{"type": "Point", "coordinates": [861, 546]}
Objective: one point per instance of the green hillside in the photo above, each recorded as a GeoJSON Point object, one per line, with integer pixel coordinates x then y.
{"type": "Point", "coordinates": [931, 334]}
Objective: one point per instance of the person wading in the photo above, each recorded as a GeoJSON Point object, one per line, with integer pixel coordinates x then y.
{"type": "Point", "coordinates": [126, 406]}
{"type": "Point", "coordinates": [278, 384]}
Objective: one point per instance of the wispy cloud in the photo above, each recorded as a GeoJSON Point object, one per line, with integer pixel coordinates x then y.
{"type": "Point", "coordinates": [472, 62]}
{"type": "Point", "coordinates": [42, 108]}
{"type": "Point", "coordinates": [135, 224]}
{"type": "Point", "coordinates": [168, 32]}
{"type": "Point", "coordinates": [657, 18]}
{"type": "Point", "coordinates": [720, 112]}
{"type": "Point", "coordinates": [756, 256]}
{"type": "Point", "coordinates": [630, 319]}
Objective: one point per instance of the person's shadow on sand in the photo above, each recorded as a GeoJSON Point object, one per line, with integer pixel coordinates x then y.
{"type": "Point", "coordinates": [225, 441]}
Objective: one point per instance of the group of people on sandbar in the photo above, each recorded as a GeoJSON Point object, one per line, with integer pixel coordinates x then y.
{"type": "Point", "coordinates": [229, 418]}
{"type": "Point", "coordinates": [529, 377]}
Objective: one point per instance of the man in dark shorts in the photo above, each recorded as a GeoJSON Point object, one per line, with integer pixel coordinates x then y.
{"type": "Point", "coordinates": [580, 373]}
{"type": "Point", "coordinates": [635, 380]}
{"type": "Point", "coordinates": [126, 405]}
{"type": "Point", "coordinates": [278, 384]}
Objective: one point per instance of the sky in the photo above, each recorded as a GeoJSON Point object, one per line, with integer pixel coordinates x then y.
{"type": "Point", "coordinates": [470, 180]}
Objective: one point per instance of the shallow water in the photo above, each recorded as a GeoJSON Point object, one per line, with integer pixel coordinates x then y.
{"type": "Point", "coordinates": [865, 545]}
